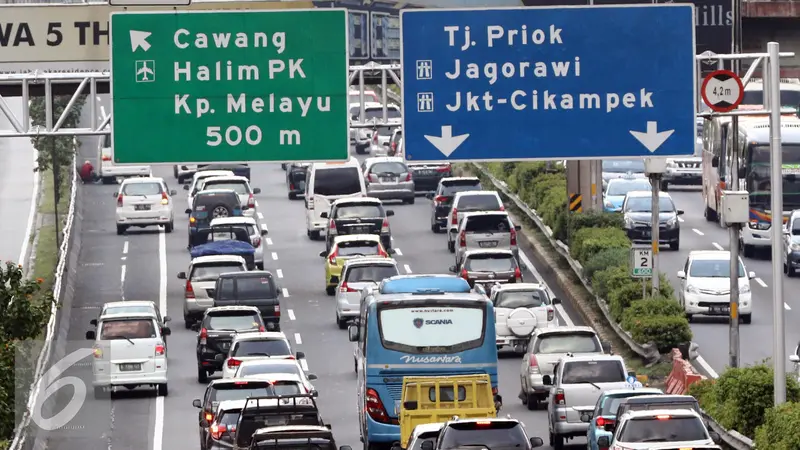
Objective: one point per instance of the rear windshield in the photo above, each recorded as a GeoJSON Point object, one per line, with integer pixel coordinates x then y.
{"type": "Point", "coordinates": [337, 181]}
{"type": "Point", "coordinates": [129, 310]}
{"type": "Point", "coordinates": [249, 229]}
{"type": "Point", "coordinates": [355, 211]}
{"type": "Point", "coordinates": [388, 167]}
{"type": "Point", "coordinates": [377, 113]}
{"type": "Point", "coordinates": [295, 444]}
{"type": "Point", "coordinates": [447, 394]}
{"type": "Point", "coordinates": [257, 369]}
{"type": "Point", "coordinates": [426, 436]}
{"type": "Point", "coordinates": [212, 271]}
{"type": "Point", "coordinates": [453, 186]}
{"type": "Point", "coordinates": [365, 274]}
{"type": "Point", "coordinates": [240, 187]}
{"type": "Point", "coordinates": [522, 299]}
{"type": "Point", "coordinates": [142, 189]}
{"type": "Point", "coordinates": [250, 288]}
{"type": "Point", "coordinates": [229, 418]}
{"type": "Point", "coordinates": [611, 404]}
{"type": "Point", "coordinates": [239, 390]}
{"type": "Point", "coordinates": [663, 429]}
{"type": "Point", "coordinates": [490, 263]}
{"type": "Point", "coordinates": [265, 348]}
{"type": "Point", "coordinates": [568, 343]}
{"type": "Point", "coordinates": [478, 203]}
{"type": "Point", "coordinates": [500, 435]}
{"type": "Point", "coordinates": [357, 248]}
{"type": "Point", "coordinates": [215, 198]}
{"type": "Point", "coordinates": [239, 321]}
{"type": "Point", "coordinates": [287, 388]}
{"type": "Point", "coordinates": [494, 223]}
{"type": "Point", "coordinates": [130, 329]}
{"type": "Point", "coordinates": [576, 372]}
{"type": "Point", "coordinates": [385, 131]}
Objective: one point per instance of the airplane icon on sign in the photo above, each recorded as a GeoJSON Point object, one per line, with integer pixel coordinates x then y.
{"type": "Point", "coordinates": [145, 71]}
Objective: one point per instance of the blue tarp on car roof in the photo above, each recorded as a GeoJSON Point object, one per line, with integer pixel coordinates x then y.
{"type": "Point", "coordinates": [228, 247]}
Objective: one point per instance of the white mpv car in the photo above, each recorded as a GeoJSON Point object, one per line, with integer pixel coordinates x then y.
{"type": "Point", "coordinates": [129, 350]}
{"type": "Point", "coordinates": [705, 285]}
{"type": "Point", "coordinates": [519, 309]}
{"type": "Point", "coordinates": [143, 202]}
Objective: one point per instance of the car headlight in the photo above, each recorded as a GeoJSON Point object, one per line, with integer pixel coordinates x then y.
{"type": "Point", "coordinates": [672, 222]}
{"type": "Point", "coordinates": [744, 289]}
{"type": "Point", "coordinates": [795, 247]}
{"type": "Point", "coordinates": [692, 290]}
{"type": "Point", "coordinates": [609, 204]}
{"type": "Point", "coordinates": [671, 164]}
{"type": "Point", "coordinates": [756, 225]}
{"type": "Point", "coordinates": [628, 222]}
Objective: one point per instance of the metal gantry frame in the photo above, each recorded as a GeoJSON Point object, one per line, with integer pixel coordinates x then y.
{"type": "Point", "coordinates": [87, 84]}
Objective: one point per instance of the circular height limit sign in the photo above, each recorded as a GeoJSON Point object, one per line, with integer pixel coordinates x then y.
{"type": "Point", "coordinates": [722, 90]}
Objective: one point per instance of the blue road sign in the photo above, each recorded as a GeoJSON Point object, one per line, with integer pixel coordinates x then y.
{"type": "Point", "coordinates": [548, 83]}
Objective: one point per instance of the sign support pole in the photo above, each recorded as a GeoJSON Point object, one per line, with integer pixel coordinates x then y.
{"type": "Point", "coordinates": [733, 228]}
{"type": "Point", "coordinates": [655, 222]}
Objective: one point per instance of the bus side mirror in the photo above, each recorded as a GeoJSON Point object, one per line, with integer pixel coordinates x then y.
{"type": "Point", "coordinates": [715, 161]}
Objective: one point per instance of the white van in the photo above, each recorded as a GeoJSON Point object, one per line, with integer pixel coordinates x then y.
{"type": "Point", "coordinates": [328, 182]}
{"type": "Point", "coordinates": [109, 172]}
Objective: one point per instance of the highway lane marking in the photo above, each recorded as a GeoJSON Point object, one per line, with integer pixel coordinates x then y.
{"type": "Point", "coordinates": [285, 293]}
{"type": "Point", "coordinates": [560, 308]}
{"type": "Point", "coordinates": [786, 307]}
{"type": "Point", "coordinates": [125, 248]}
{"type": "Point", "coordinates": [304, 364]}
{"type": "Point", "coordinates": [297, 339]}
{"type": "Point", "coordinates": [717, 246]}
{"type": "Point", "coordinates": [291, 314]}
{"type": "Point", "coordinates": [122, 274]}
{"type": "Point", "coordinates": [279, 273]}
{"type": "Point", "coordinates": [398, 252]}
{"type": "Point", "coordinates": [23, 253]}
{"type": "Point", "coordinates": [274, 256]}
{"type": "Point", "coordinates": [407, 267]}
{"type": "Point", "coordinates": [269, 241]}
{"type": "Point", "coordinates": [158, 437]}
{"type": "Point", "coordinates": [261, 216]}
{"type": "Point", "coordinates": [698, 232]}
{"type": "Point", "coordinates": [761, 282]}
{"type": "Point", "coordinates": [680, 219]}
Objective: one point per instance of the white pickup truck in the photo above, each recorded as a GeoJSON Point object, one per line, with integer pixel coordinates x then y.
{"type": "Point", "coordinates": [110, 172]}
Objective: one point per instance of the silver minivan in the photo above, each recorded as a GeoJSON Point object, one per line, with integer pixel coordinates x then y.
{"type": "Point", "coordinates": [486, 230]}
{"type": "Point", "coordinates": [388, 178]}
{"type": "Point", "coordinates": [467, 202]}
{"type": "Point", "coordinates": [201, 281]}
{"type": "Point", "coordinates": [357, 275]}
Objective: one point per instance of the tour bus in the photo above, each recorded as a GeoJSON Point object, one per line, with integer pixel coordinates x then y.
{"type": "Point", "coordinates": [419, 334]}
{"type": "Point", "coordinates": [753, 171]}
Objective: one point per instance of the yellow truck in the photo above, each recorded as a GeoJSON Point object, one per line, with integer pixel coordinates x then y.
{"type": "Point", "coordinates": [438, 399]}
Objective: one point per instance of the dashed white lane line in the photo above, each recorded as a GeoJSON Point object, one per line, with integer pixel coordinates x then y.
{"type": "Point", "coordinates": [304, 365]}
{"type": "Point", "coordinates": [279, 272]}
{"type": "Point", "coordinates": [125, 248]}
{"type": "Point", "coordinates": [398, 252]}
{"type": "Point", "coordinates": [274, 256]}
{"type": "Point", "coordinates": [700, 233]}
{"type": "Point", "coordinates": [761, 282]}
{"type": "Point", "coordinates": [786, 307]}
{"type": "Point", "coordinates": [285, 293]}
{"type": "Point", "coordinates": [297, 339]}
{"type": "Point", "coordinates": [122, 274]}
{"type": "Point", "coordinates": [261, 216]}
{"type": "Point", "coordinates": [680, 219]}
{"type": "Point", "coordinates": [291, 314]}
{"type": "Point", "coordinates": [407, 267]}
{"type": "Point", "coordinates": [269, 241]}
{"type": "Point", "coordinates": [717, 246]}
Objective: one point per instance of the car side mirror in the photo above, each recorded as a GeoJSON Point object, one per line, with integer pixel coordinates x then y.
{"type": "Point", "coordinates": [256, 190]}
{"type": "Point", "coordinates": [429, 195]}
{"type": "Point", "coordinates": [196, 403]}
{"type": "Point", "coordinates": [389, 213]}
{"type": "Point", "coordinates": [518, 227]}
{"type": "Point", "coordinates": [195, 327]}
{"type": "Point", "coordinates": [312, 377]}
{"type": "Point", "coordinates": [715, 161]}
{"type": "Point", "coordinates": [715, 437]}
{"type": "Point", "coordinates": [204, 423]}
{"type": "Point", "coordinates": [116, 194]}
{"type": "Point", "coordinates": [264, 232]}
{"type": "Point", "coordinates": [167, 319]}
{"type": "Point", "coordinates": [219, 357]}
{"type": "Point", "coordinates": [547, 380]}
{"type": "Point", "coordinates": [586, 418]}
{"type": "Point", "coordinates": [93, 322]}
{"type": "Point", "coordinates": [453, 269]}
{"type": "Point", "coordinates": [185, 187]}
{"type": "Point", "coordinates": [323, 254]}
{"type": "Point", "coordinates": [391, 251]}
{"type": "Point", "coordinates": [188, 211]}
{"type": "Point", "coordinates": [556, 301]}
{"type": "Point", "coordinates": [173, 192]}
{"type": "Point", "coordinates": [166, 331]}
{"type": "Point", "coordinates": [604, 441]}
{"type": "Point", "coordinates": [427, 445]}
{"type": "Point", "coordinates": [794, 358]}
{"type": "Point", "coordinates": [751, 275]}
{"type": "Point", "coordinates": [91, 335]}
{"type": "Point", "coordinates": [680, 212]}
{"type": "Point", "coordinates": [300, 355]}
{"type": "Point", "coordinates": [352, 333]}
{"type": "Point", "coordinates": [537, 442]}
{"type": "Point", "coordinates": [681, 274]}
{"type": "Point", "coordinates": [314, 393]}
{"type": "Point", "coordinates": [323, 215]}
{"type": "Point", "coordinates": [410, 405]}
{"type": "Point", "coordinates": [181, 275]}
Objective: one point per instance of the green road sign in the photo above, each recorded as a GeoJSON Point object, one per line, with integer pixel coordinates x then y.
{"type": "Point", "coordinates": [229, 86]}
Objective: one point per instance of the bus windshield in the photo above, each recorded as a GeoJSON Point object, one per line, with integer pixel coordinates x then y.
{"type": "Point", "coordinates": [431, 329]}
{"type": "Point", "coordinates": [758, 176]}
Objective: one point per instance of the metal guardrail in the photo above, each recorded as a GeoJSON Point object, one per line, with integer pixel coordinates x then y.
{"type": "Point", "coordinates": [732, 438]}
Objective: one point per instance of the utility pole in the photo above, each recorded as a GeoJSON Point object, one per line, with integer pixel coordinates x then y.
{"type": "Point", "coordinates": [655, 168]}
{"type": "Point", "coordinates": [56, 188]}
{"type": "Point", "coordinates": [734, 229]}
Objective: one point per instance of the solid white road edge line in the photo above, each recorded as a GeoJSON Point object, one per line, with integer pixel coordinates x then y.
{"type": "Point", "coordinates": [158, 437]}
{"type": "Point", "coordinates": [31, 213]}
{"type": "Point", "coordinates": [698, 232]}
{"type": "Point", "coordinates": [786, 306]}
{"type": "Point", "coordinates": [291, 314]}
{"type": "Point", "coordinates": [297, 339]}
{"type": "Point", "coordinates": [559, 308]}
{"type": "Point", "coordinates": [680, 219]}
{"type": "Point", "coordinates": [761, 282]}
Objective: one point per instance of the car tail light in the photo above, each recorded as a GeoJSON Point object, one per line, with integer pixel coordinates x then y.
{"type": "Point", "coordinates": [160, 350]}
{"type": "Point", "coordinates": [375, 407]}
{"type": "Point", "coordinates": [464, 274]}
{"type": "Point", "coordinates": [233, 363]}
{"type": "Point", "coordinates": [517, 274]}
{"type": "Point", "coordinates": [217, 430]}
{"type": "Point", "coordinates": [462, 239]}
{"type": "Point", "coordinates": [408, 176]}
{"type": "Point", "coordinates": [119, 200]}
{"type": "Point", "coordinates": [209, 417]}
{"type": "Point", "coordinates": [663, 417]}
{"type": "Point", "coordinates": [454, 219]}
{"type": "Point", "coordinates": [256, 241]}
{"type": "Point", "coordinates": [291, 186]}
{"type": "Point", "coordinates": [164, 198]}
{"type": "Point", "coordinates": [97, 352]}
{"type": "Point", "coordinates": [251, 201]}
{"type": "Point", "coordinates": [346, 288]}
{"type": "Point", "coordinates": [332, 227]}
{"type": "Point", "coordinates": [394, 146]}
{"type": "Point", "coordinates": [385, 226]}
{"type": "Point", "coordinates": [444, 169]}
{"type": "Point", "coordinates": [188, 292]}
{"type": "Point", "coordinates": [332, 257]}
{"type": "Point", "coordinates": [483, 423]}
{"type": "Point", "coordinates": [513, 236]}
{"type": "Point", "coordinates": [262, 329]}
{"type": "Point", "coordinates": [192, 220]}
{"type": "Point", "coordinates": [602, 421]}
{"type": "Point", "coordinates": [372, 178]}
{"type": "Point", "coordinates": [439, 199]}
{"type": "Point", "coordinates": [551, 314]}
{"type": "Point", "coordinates": [203, 336]}
{"type": "Point", "coordinates": [106, 158]}
{"type": "Point", "coordinates": [533, 366]}
{"type": "Point", "coordinates": [375, 138]}
{"type": "Point", "coordinates": [559, 398]}
{"type": "Point", "coordinates": [502, 208]}
{"type": "Point", "coordinates": [277, 310]}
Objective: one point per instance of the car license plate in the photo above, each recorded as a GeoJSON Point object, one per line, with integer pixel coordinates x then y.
{"type": "Point", "coordinates": [719, 309]}
{"type": "Point", "coordinates": [130, 367]}
{"type": "Point", "coordinates": [141, 207]}
{"type": "Point", "coordinates": [425, 172]}
{"type": "Point", "coordinates": [360, 230]}
{"type": "Point", "coordinates": [487, 244]}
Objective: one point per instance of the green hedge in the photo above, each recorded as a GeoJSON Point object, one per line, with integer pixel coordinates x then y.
{"type": "Point", "coordinates": [599, 243]}
{"type": "Point", "coordinates": [781, 428]}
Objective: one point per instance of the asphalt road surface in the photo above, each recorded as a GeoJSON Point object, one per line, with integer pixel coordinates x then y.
{"type": "Point", "coordinates": [16, 188]}
{"type": "Point", "coordinates": [143, 265]}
